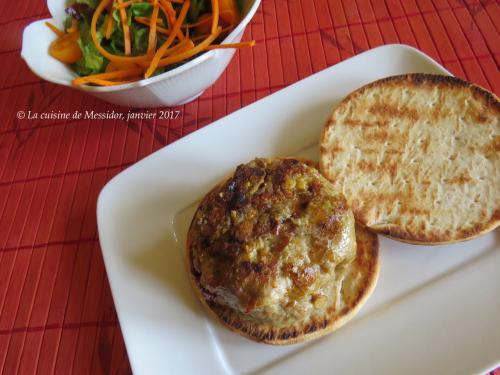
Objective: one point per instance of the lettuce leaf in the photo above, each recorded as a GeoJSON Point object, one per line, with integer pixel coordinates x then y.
{"type": "Point", "coordinates": [115, 44]}
{"type": "Point", "coordinates": [138, 33]}
{"type": "Point", "coordinates": [91, 62]}
{"type": "Point", "coordinates": [140, 36]}
{"type": "Point", "coordinates": [141, 9]}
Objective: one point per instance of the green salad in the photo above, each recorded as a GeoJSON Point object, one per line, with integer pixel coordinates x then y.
{"type": "Point", "coordinates": [112, 42]}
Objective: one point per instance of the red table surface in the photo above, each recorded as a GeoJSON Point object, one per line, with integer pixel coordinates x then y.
{"type": "Point", "coordinates": [56, 309]}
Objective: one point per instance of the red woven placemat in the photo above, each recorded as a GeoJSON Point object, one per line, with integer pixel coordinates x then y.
{"type": "Point", "coordinates": [56, 310]}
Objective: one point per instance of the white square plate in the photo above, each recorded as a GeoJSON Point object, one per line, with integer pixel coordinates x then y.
{"type": "Point", "coordinates": [435, 309]}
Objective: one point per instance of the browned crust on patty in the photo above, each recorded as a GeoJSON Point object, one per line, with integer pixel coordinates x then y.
{"type": "Point", "coordinates": [378, 134]}
{"type": "Point", "coordinates": [364, 269]}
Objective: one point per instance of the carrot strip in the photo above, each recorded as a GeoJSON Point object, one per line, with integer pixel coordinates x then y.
{"type": "Point", "coordinates": [162, 30]}
{"type": "Point", "coordinates": [55, 29]}
{"type": "Point", "coordinates": [169, 11]}
{"type": "Point", "coordinates": [199, 22]}
{"type": "Point", "coordinates": [179, 47]}
{"type": "Point", "coordinates": [109, 26]}
{"type": "Point", "coordinates": [124, 70]}
{"type": "Point", "coordinates": [109, 75]}
{"type": "Point", "coordinates": [126, 30]}
{"type": "Point", "coordinates": [215, 15]}
{"type": "Point", "coordinates": [201, 37]}
{"type": "Point", "coordinates": [204, 20]}
{"type": "Point", "coordinates": [249, 43]}
{"type": "Point", "coordinates": [147, 20]}
{"type": "Point", "coordinates": [103, 82]}
{"type": "Point", "coordinates": [185, 45]}
{"type": "Point", "coordinates": [152, 29]}
{"type": "Point", "coordinates": [190, 53]}
{"type": "Point", "coordinates": [123, 5]}
{"type": "Point", "coordinates": [229, 11]}
{"type": "Point", "coordinates": [176, 28]}
{"type": "Point", "coordinates": [113, 66]}
{"type": "Point", "coordinates": [93, 31]}
{"type": "Point", "coordinates": [108, 29]}
{"type": "Point", "coordinates": [169, 18]}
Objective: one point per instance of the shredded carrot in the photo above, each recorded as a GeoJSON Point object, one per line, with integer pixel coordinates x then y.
{"type": "Point", "coordinates": [190, 53]}
{"type": "Point", "coordinates": [201, 37]}
{"type": "Point", "coordinates": [147, 20]}
{"type": "Point", "coordinates": [215, 15]}
{"type": "Point", "coordinates": [175, 29]}
{"type": "Point", "coordinates": [117, 74]}
{"type": "Point", "coordinates": [114, 66]}
{"type": "Point", "coordinates": [162, 30]}
{"type": "Point", "coordinates": [183, 46]}
{"type": "Point", "coordinates": [152, 29]}
{"type": "Point", "coordinates": [169, 11]}
{"type": "Point", "coordinates": [229, 12]}
{"type": "Point", "coordinates": [103, 82]}
{"type": "Point", "coordinates": [126, 29]}
{"type": "Point", "coordinates": [123, 5]}
{"type": "Point", "coordinates": [179, 47]}
{"type": "Point", "coordinates": [55, 29]}
{"type": "Point", "coordinates": [204, 20]}
{"type": "Point", "coordinates": [249, 43]}
{"type": "Point", "coordinates": [93, 31]}
{"type": "Point", "coordinates": [168, 17]}
{"type": "Point", "coordinates": [109, 26]}
{"type": "Point", "coordinates": [204, 24]}
{"type": "Point", "coordinates": [108, 29]}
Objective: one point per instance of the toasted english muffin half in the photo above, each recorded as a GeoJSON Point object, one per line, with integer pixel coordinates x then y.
{"type": "Point", "coordinates": [273, 253]}
{"type": "Point", "coordinates": [417, 157]}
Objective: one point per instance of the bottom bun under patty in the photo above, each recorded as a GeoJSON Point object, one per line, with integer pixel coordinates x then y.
{"type": "Point", "coordinates": [273, 253]}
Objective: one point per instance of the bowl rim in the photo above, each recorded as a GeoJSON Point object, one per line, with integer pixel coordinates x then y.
{"type": "Point", "coordinates": [160, 77]}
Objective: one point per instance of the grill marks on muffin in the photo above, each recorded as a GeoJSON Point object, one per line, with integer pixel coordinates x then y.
{"type": "Point", "coordinates": [437, 134]}
{"type": "Point", "coordinates": [394, 111]}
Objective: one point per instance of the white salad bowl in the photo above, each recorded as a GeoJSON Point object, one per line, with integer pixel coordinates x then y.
{"type": "Point", "coordinates": [175, 87]}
